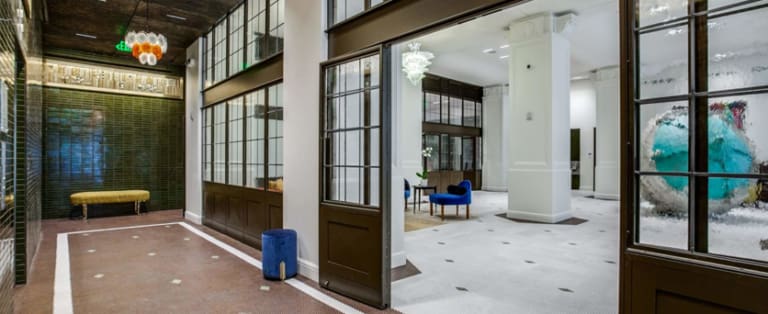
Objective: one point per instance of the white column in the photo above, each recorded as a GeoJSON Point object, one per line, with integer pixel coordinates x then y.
{"type": "Point", "coordinates": [495, 110]}
{"type": "Point", "coordinates": [607, 145]}
{"type": "Point", "coordinates": [539, 177]}
{"type": "Point", "coordinates": [193, 187]}
{"type": "Point", "coordinates": [406, 147]}
{"type": "Point", "coordinates": [304, 50]}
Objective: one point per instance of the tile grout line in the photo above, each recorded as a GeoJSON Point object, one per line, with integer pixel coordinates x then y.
{"type": "Point", "coordinates": [310, 291]}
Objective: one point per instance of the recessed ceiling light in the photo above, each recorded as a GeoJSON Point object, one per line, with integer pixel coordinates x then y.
{"type": "Point", "coordinates": [504, 57]}
{"type": "Point", "coordinates": [85, 35]}
{"type": "Point", "coordinates": [489, 50]}
{"type": "Point", "coordinates": [504, 46]}
{"type": "Point", "coordinates": [176, 17]}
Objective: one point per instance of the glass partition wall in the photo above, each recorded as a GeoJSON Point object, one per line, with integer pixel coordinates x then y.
{"type": "Point", "coordinates": [243, 140]}
{"type": "Point", "coordinates": [452, 128]}
{"type": "Point", "coordinates": [250, 33]}
{"type": "Point", "coordinates": [701, 140]}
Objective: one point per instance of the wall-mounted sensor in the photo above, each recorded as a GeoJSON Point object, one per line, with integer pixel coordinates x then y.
{"type": "Point", "coordinates": [529, 67]}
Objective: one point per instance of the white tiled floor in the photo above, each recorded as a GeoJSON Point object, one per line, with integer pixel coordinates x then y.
{"type": "Point", "coordinates": [510, 267]}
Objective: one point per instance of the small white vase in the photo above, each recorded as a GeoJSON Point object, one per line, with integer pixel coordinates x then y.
{"type": "Point", "coordinates": [424, 182]}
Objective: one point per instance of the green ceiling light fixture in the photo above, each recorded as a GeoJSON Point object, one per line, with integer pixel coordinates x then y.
{"type": "Point", "coordinates": [122, 47]}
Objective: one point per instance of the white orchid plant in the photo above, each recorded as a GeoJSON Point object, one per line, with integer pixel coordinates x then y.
{"type": "Point", "coordinates": [426, 153]}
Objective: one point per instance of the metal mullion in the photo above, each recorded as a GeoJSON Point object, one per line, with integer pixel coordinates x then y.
{"type": "Point", "coordinates": [663, 25]}
{"type": "Point", "coordinates": [245, 141]}
{"type": "Point", "coordinates": [665, 99]}
{"type": "Point", "coordinates": [266, 135]}
{"type": "Point", "coordinates": [363, 128]}
{"type": "Point", "coordinates": [267, 31]}
{"type": "Point", "coordinates": [244, 48]}
{"type": "Point", "coordinates": [657, 173]}
{"type": "Point", "coordinates": [226, 45]}
{"type": "Point", "coordinates": [727, 13]}
{"type": "Point", "coordinates": [698, 122]}
{"type": "Point", "coordinates": [757, 176]}
{"type": "Point", "coordinates": [762, 89]}
{"type": "Point", "coordinates": [352, 92]}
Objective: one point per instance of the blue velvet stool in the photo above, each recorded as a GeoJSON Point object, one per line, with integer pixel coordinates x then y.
{"type": "Point", "coordinates": [278, 246]}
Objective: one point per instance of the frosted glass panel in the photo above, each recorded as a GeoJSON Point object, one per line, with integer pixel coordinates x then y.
{"type": "Point", "coordinates": [663, 63]}
{"type": "Point", "coordinates": [658, 11]}
{"type": "Point", "coordinates": [664, 136]}
{"type": "Point", "coordinates": [663, 212]}
{"type": "Point", "coordinates": [738, 58]}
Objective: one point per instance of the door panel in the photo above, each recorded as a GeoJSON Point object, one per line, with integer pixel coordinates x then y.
{"type": "Point", "coordinates": [354, 171]}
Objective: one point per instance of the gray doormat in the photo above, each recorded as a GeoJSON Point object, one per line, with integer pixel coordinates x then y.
{"type": "Point", "coordinates": [575, 221]}
{"type": "Point", "coordinates": [405, 271]}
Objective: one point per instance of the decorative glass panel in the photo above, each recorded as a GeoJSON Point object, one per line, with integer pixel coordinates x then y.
{"type": "Point", "coordinates": [663, 63]}
{"type": "Point", "coordinates": [664, 137]}
{"type": "Point", "coordinates": [663, 212]}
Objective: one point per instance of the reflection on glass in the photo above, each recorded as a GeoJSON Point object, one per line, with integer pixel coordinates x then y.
{"type": "Point", "coordinates": [658, 11]}
{"type": "Point", "coordinates": [664, 134]}
{"type": "Point", "coordinates": [235, 142]}
{"type": "Point", "coordinates": [257, 30]}
{"type": "Point", "coordinates": [433, 141]}
{"type": "Point", "coordinates": [208, 144]}
{"type": "Point", "coordinates": [352, 135]}
{"type": "Point", "coordinates": [663, 212]}
{"type": "Point", "coordinates": [209, 43]}
{"type": "Point", "coordinates": [469, 114]}
{"type": "Point", "coordinates": [738, 58]}
{"type": "Point", "coordinates": [220, 52]}
{"type": "Point", "coordinates": [431, 107]}
{"type": "Point", "coordinates": [219, 143]}
{"type": "Point", "coordinates": [468, 153]}
{"type": "Point", "coordinates": [455, 111]}
{"type": "Point", "coordinates": [236, 36]}
{"type": "Point", "coordinates": [255, 108]}
{"type": "Point", "coordinates": [276, 25]}
{"type": "Point", "coordinates": [737, 224]}
{"type": "Point", "coordinates": [663, 63]}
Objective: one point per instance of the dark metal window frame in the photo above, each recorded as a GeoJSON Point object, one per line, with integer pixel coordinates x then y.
{"type": "Point", "coordinates": [267, 109]}
{"type": "Point", "coordinates": [698, 105]}
{"type": "Point", "coordinates": [264, 55]}
{"type": "Point", "coordinates": [367, 8]}
{"type": "Point", "coordinates": [365, 127]}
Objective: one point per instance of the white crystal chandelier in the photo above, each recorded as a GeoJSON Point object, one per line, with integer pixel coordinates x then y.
{"type": "Point", "coordinates": [147, 47]}
{"type": "Point", "coordinates": [416, 62]}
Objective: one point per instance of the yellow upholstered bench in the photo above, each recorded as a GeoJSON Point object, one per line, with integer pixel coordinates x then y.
{"type": "Point", "coordinates": [107, 197]}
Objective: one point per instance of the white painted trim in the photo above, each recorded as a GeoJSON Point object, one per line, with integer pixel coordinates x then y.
{"type": "Point", "coordinates": [494, 188]}
{"type": "Point", "coordinates": [309, 270]}
{"type": "Point", "coordinates": [62, 292]}
{"type": "Point", "coordinates": [62, 284]}
{"type": "Point", "coordinates": [539, 217]}
{"type": "Point", "coordinates": [398, 259]}
{"type": "Point", "coordinates": [192, 217]}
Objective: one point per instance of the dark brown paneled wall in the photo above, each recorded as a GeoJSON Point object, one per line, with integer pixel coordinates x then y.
{"type": "Point", "coordinates": [101, 141]}
{"type": "Point", "coordinates": [242, 213]}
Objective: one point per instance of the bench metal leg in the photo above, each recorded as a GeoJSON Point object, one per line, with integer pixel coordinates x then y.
{"type": "Point", "coordinates": [85, 212]}
{"type": "Point", "coordinates": [467, 211]}
{"type": "Point", "coordinates": [137, 208]}
{"type": "Point", "coordinates": [442, 212]}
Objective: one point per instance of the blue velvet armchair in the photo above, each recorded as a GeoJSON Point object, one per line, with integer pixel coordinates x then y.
{"type": "Point", "coordinates": [407, 193]}
{"type": "Point", "coordinates": [457, 195]}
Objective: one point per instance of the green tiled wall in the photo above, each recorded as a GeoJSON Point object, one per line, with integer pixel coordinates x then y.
{"type": "Point", "coordinates": [101, 141]}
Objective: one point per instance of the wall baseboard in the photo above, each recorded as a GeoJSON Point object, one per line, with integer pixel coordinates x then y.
{"type": "Point", "coordinates": [605, 196]}
{"type": "Point", "coordinates": [193, 217]}
{"type": "Point", "coordinates": [398, 259]}
{"type": "Point", "coordinates": [309, 270]}
{"type": "Point", "coordinates": [491, 188]}
{"type": "Point", "coordinates": [544, 218]}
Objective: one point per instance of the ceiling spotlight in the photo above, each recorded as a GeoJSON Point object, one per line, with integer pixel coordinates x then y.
{"type": "Point", "coordinates": [504, 46]}
{"type": "Point", "coordinates": [504, 57]}
{"type": "Point", "coordinates": [176, 17]}
{"type": "Point", "coordinates": [489, 51]}
{"type": "Point", "coordinates": [89, 36]}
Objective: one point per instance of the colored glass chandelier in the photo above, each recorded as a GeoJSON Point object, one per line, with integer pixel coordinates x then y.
{"type": "Point", "coordinates": [147, 47]}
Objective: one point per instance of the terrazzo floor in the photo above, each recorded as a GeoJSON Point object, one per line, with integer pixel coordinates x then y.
{"type": "Point", "coordinates": [490, 264]}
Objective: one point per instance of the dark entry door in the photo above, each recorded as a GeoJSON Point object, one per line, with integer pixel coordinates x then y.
{"type": "Point", "coordinates": [355, 178]}
{"type": "Point", "coordinates": [692, 108]}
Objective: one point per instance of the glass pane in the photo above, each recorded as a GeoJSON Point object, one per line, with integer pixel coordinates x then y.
{"type": "Point", "coordinates": [257, 31]}
{"type": "Point", "coordinates": [445, 152]}
{"type": "Point", "coordinates": [738, 136]}
{"type": "Point", "coordinates": [276, 151]}
{"type": "Point", "coordinates": [455, 153]}
{"type": "Point", "coordinates": [276, 25]}
{"type": "Point", "coordinates": [373, 146]}
{"type": "Point", "coordinates": [375, 111]}
{"type": "Point", "coordinates": [469, 113]}
{"type": "Point", "coordinates": [479, 154]}
{"type": "Point", "coordinates": [236, 33]}
{"type": "Point", "coordinates": [343, 9]}
{"type": "Point", "coordinates": [235, 142]}
{"type": "Point", "coordinates": [373, 187]}
{"type": "Point", "coordinates": [663, 63]}
{"type": "Point", "coordinates": [737, 223]}
{"type": "Point", "coordinates": [479, 113]}
{"type": "Point", "coordinates": [664, 137]}
{"type": "Point", "coordinates": [456, 111]}
{"type": "Point", "coordinates": [468, 153]}
{"type": "Point", "coordinates": [433, 141]}
{"type": "Point", "coordinates": [657, 11]}
{"type": "Point", "coordinates": [738, 58]}
{"type": "Point", "coordinates": [255, 108]}
{"type": "Point", "coordinates": [208, 144]}
{"type": "Point", "coordinates": [209, 43]}
{"type": "Point", "coordinates": [445, 102]}
{"type": "Point", "coordinates": [220, 143]}
{"type": "Point", "coordinates": [663, 212]}
{"type": "Point", "coordinates": [431, 107]}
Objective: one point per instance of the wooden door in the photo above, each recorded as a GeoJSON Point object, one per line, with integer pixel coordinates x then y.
{"type": "Point", "coordinates": [682, 249]}
{"type": "Point", "coordinates": [355, 178]}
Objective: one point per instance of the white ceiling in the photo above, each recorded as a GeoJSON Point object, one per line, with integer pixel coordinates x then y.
{"type": "Point", "coordinates": [459, 49]}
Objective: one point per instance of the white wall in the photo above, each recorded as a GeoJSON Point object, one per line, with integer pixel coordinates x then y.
{"type": "Point", "coordinates": [583, 117]}
{"type": "Point", "coordinates": [495, 126]}
{"type": "Point", "coordinates": [193, 191]}
{"type": "Point", "coordinates": [304, 50]}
